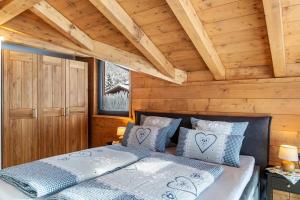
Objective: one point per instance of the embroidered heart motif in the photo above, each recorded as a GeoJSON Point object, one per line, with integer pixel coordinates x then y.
{"type": "Point", "coordinates": [204, 141]}
{"type": "Point", "coordinates": [183, 184]}
{"type": "Point", "coordinates": [142, 134]}
{"type": "Point", "coordinates": [169, 196]}
{"type": "Point", "coordinates": [81, 154]}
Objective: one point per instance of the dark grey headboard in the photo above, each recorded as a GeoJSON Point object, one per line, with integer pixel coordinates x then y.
{"type": "Point", "coordinates": [256, 142]}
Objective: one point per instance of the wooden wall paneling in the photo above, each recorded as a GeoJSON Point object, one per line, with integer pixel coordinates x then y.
{"type": "Point", "coordinates": [294, 196]}
{"type": "Point", "coordinates": [235, 24]}
{"type": "Point", "coordinates": [52, 106]}
{"type": "Point", "coordinates": [240, 36]}
{"type": "Point", "coordinates": [277, 97]}
{"type": "Point", "coordinates": [105, 129]}
{"type": "Point", "coordinates": [210, 4]}
{"type": "Point", "coordinates": [250, 72]}
{"type": "Point", "coordinates": [76, 105]}
{"type": "Point", "coordinates": [246, 58]}
{"type": "Point", "coordinates": [281, 195]}
{"type": "Point", "coordinates": [291, 21]}
{"type": "Point", "coordinates": [230, 10]}
{"type": "Point", "coordinates": [288, 3]}
{"type": "Point", "coordinates": [20, 136]}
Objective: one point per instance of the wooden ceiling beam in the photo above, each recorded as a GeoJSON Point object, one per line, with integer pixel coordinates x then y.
{"type": "Point", "coordinates": [14, 8]}
{"type": "Point", "coordinates": [134, 62]}
{"type": "Point", "coordinates": [123, 22]}
{"type": "Point", "coordinates": [101, 51]}
{"type": "Point", "coordinates": [55, 19]}
{"type": "Point", "coordinates": [13, 36]}
{"type": "Point", "coordinates": [189, 20]}
{"type": "Point", "coordinates": [273, 14]}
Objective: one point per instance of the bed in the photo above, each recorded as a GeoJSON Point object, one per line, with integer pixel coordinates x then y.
{"type": "Point", "coordinates": [233, 181]}
{"type": "Point", "coordinates": [255, 145]}
{"type": "Point", "coordinates": [246, 182]}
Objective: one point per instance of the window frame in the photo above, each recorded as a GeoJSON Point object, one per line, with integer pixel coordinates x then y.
{"type": "Point", "coordinates": [101, 90]}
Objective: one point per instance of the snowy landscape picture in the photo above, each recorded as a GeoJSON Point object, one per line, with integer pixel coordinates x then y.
{"type": "Point", "coordinates": [116, 91]}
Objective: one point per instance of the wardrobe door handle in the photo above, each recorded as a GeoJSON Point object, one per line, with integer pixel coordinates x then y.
{"type": "Point", "coordinates": [64, 111]}
{"type": "Point", "coordinates": [67, 111]}
{"type": "Point", "coordinates": [34, 113]}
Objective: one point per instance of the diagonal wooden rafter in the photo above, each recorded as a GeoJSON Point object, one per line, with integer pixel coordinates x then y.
{"type": "Point", "coordinates": [14, 8]}
{"type": "Point", "coordinates": [101, 51]}
{"type": "Point", "coordinates": [123, 22]}
{"type": "Point", "coordinates": [273, 14]}
{"type": "Point", "coordinates": [62, 24]}
{"type": "Point", "coordinates": [17, 37]}
{"type": "Point", "coordinates": [189, 20]}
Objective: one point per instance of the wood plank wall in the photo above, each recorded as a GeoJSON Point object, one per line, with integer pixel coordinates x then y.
{"type": "Point", "coordinates": [279, 98]}
{"type": "Point", "coordinates": [105, 129]}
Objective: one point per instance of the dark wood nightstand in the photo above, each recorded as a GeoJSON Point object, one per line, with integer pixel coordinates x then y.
{"type": "Point", "coordinates": [279, 188]}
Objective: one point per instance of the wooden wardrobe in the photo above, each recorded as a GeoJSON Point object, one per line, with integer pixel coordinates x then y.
{"type": "Point", "coordinates": [45, 106]}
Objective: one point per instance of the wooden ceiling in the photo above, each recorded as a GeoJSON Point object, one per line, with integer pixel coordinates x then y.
{"type": "Point", "coordinates": [169, 39]}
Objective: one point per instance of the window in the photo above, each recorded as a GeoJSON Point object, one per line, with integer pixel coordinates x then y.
{"type": "Point", "coordinates": [114, 88]}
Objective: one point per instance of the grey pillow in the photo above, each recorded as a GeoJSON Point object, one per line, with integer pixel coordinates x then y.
{"type": "Point", "coordinates": [209, 146]}
{"type": "Point", "coordinates": [162, 122]}
{"type": "Point", "coordinates": [220, 127]}
{"type": "Point", "coordinates": [148, 137]}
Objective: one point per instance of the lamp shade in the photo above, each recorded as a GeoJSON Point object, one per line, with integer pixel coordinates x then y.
{"type": "Point", "coordinates": [121, 131]}
{"type": "Point", "coordinates": [287, 152]}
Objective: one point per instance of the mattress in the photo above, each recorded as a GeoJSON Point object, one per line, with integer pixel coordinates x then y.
{"type": "Point", "coordinates": [229, 186]}
{"type": "Point", "coordinates": [9, 192]}
{"type": "Point", "coordinates": [231, 183]}
{"type": "Point", "coordinates": [252, 190]}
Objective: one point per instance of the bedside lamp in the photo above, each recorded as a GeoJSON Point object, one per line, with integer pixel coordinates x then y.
{"type": "Point", "coordinates": [121, 131]}
{"type": "Point", "coordinates": [288, 154]}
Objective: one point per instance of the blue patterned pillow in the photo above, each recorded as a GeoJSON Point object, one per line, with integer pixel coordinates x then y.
{"type": "Point", "coordinates": [148, 137]}
{"type": "Point", "coordinates": [220, 127]}
{"type": "Point", "coordinates": [162, 122]}
{"type": "Point", "coordinates": [209, 146]}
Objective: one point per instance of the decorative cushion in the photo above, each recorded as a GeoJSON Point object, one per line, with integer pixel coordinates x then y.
{"type": "Point", "coordinates": [219, 127]}
{"type": "Point", "coordinates": [148, 137]}
{"type": "Point", "coordinates": [161, 122]}
{"type": "Point", "coordinates": [209, 146]}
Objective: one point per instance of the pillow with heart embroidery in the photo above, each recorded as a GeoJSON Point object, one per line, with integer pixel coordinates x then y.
{"type": "Point", "coordinates": [162, 122]}
{"type": "Point", "coordinates": [149, 137]}
{"type": "Point", "coordinates": [209, 146]}
{"type": "Point", "coordinates": [220, 127]}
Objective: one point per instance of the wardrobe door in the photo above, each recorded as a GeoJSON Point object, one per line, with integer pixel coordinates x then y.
{"type": "Point", "coordinates": [52, 106]}
{"type": "Point", "coordinates": [20, 136]}
{"type": "Point", "coordinates": [76, 105]}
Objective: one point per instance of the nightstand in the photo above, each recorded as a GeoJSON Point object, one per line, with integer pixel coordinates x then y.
{"type": "Point", "coordinates": [279, 188]}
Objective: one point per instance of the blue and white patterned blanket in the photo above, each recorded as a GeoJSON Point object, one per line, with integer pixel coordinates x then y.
{"type": "Point", "coordinates": [160, 176]}
{"type": "Point", "coordinates": [50, 175]}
